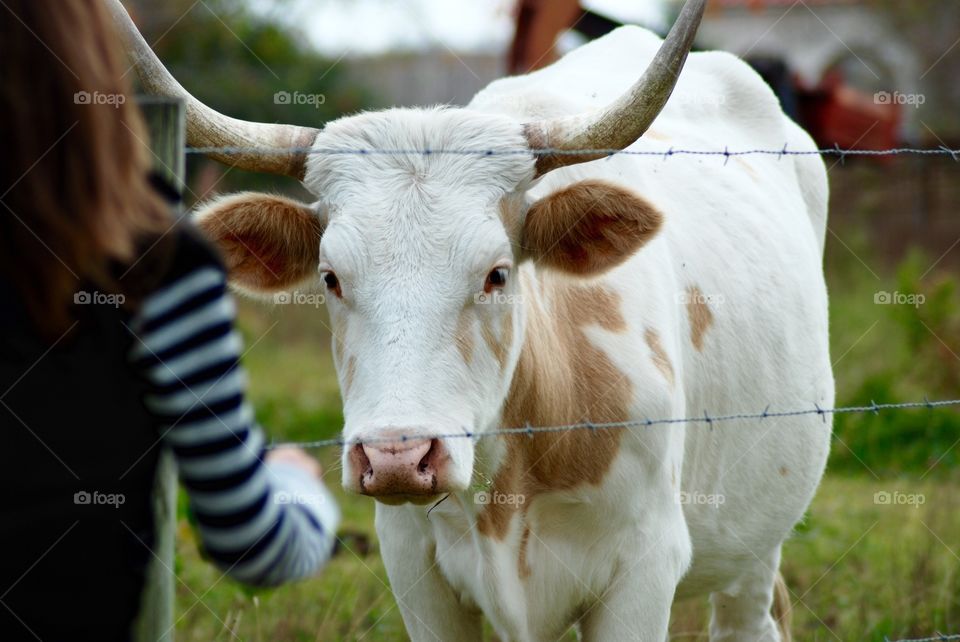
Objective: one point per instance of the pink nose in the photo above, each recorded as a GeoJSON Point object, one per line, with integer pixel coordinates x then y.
{"type": "Point", "coordinates": [400, 470]}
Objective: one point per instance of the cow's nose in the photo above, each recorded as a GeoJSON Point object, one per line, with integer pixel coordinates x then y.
{"type": "Point", "coordinates": [400, 470]}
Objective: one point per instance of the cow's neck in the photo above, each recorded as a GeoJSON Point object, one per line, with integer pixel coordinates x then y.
{"type": "Point", "coordinates": [561, 378]}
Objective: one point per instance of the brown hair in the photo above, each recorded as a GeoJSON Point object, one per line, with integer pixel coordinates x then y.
{"type": "Point", "coordinates": [74, 187]}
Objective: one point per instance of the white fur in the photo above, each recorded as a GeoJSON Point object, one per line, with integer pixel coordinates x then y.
{"type": "Point", "coordinates": [411, 239]}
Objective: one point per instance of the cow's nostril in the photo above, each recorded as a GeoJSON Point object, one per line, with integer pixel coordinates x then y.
{"type": "Point", "coordinates": [429, 462]}
{"type": "Point", "coordinates": [362, 455]}
{"type": "Point", "coordinates": [360, 460]}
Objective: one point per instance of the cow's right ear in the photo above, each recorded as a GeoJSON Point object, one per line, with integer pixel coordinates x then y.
{"type": "Point", "coordinates": [588, 227]}
{"type": "Point", "coordinates": [269, 243]}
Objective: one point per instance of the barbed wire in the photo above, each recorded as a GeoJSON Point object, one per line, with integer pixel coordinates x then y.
{"type": "Point", "coordinates": [530, 431]}
{"type": "Point", "coordinates": [666, 153]}
{"type": "Point", "coordinates": [937, 638]}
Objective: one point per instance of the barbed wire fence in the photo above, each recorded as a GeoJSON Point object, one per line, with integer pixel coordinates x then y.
{"type": "Point", "coordinates": [670, 152]}
{"type": "Point", "coordinates": [529, 431]}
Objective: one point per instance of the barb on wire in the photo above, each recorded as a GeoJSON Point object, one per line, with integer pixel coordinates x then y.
{"type": "Point", "coordinates": [619, 425]}
{"type": "Point", "coordinates": [663, 153]}
{"type": "Point", "coordinates": [937, 638]}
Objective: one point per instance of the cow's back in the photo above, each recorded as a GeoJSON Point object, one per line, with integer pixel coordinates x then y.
{"type": "Point", "coordinates": [720, 103]}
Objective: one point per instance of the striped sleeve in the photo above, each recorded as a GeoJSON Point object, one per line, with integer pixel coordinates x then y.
{"type": "Point", "coordinates": [263, 523]}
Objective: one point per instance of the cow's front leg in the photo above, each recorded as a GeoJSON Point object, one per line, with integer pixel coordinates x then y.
{"type": "Point", "coordinates": [636, 604]}
{"type": "Point", "coordinates": [430, 608]}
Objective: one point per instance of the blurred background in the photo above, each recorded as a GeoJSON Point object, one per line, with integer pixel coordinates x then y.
{"type": "Point", "coordinates": [858, 74]}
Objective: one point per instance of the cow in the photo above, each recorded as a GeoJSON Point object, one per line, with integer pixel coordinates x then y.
{"type": "Point", "coordinates": [498, 266]}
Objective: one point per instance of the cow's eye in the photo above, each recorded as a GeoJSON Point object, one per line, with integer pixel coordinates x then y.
{"type": "Point", "coordinates": [332, 283]}
{"type": "Point", "coordinates": [496, 279]}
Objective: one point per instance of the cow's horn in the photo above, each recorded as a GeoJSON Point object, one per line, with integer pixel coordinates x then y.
{"type": "Point", "coordinates": [621, 123]}
{"type": "Point", "coordinates": [207, 127]}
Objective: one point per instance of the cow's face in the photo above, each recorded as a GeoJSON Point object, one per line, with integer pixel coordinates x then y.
{"type": "Point", "coordinates": [420, 278]}
{"type": "Point", "coordinates": [418, 258]}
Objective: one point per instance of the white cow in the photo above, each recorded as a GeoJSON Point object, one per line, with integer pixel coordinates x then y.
{"type": "Point", "coordinates": [470, 292]}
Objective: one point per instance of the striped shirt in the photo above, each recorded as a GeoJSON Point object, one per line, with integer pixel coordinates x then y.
{"type": "Point", "coordinates": [263, 523]}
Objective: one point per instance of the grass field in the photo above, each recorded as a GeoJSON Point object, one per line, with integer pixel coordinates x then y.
{"type": "Point", "coordinates": [857, 569]}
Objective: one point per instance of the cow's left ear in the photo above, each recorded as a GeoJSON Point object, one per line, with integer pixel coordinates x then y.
{"type": "Point", "coordinates": [269, 243]}
{"type": "Point", "coordinates": [588, 227]}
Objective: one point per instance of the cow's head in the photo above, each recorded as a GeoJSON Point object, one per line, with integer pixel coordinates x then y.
{"type": "Point", "coordinates": [419, 255]}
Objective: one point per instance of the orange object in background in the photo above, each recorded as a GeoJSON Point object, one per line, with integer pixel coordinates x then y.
{"type": "Point", "coordinates": [837, 114]}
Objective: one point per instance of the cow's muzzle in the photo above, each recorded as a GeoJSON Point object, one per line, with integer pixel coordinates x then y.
{"type": "Point", "coordinates": [395, 470]}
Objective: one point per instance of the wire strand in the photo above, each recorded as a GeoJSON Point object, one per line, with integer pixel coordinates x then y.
{"type": "Point", "coordinates": [530, 431]}
{"type": "Point", "coordinates": [666, 153]}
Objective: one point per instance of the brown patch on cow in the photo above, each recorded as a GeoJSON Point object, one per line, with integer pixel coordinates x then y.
{"type": "Point", "coordinates": [783, 471]}
{"type": "Point", "coordinates": [701, 318]}
{"type": "Point", "coordinates": [348, 374]}
{"type": "Point", "coordinates": [561, 378]}
{"type": "Point", "coordinates": [658, 355]}
{"type": "Point", "coordinates": [588, 228]}
{"type": "Point", "coordinates": [464, 336]}
{"type": "Point", "coordinates": [268, 242]}
{"type": "Point", "coordinates": [523, 567]}
{"type": "Point", "coordinates": [338, 348]}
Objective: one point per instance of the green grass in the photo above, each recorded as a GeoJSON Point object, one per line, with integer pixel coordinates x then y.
{"type": "Point", "coordinates": [858, 570]}
{"type": "Point", "coordinates": [893, 353]}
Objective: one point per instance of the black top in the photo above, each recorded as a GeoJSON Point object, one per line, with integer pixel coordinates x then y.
{"type": "Point", "coordinates": [80, 452]}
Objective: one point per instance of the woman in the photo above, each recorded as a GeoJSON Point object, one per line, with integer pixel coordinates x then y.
{"type": "Point", "coordinates": [117, 340]}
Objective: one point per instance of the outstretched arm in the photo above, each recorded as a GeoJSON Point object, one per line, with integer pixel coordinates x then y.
{"type": "Point", "coordinates": [265, 523]}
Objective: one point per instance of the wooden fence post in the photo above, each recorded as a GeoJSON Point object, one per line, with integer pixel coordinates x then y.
{"type": "Point", "coordinates": [166, 123]}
